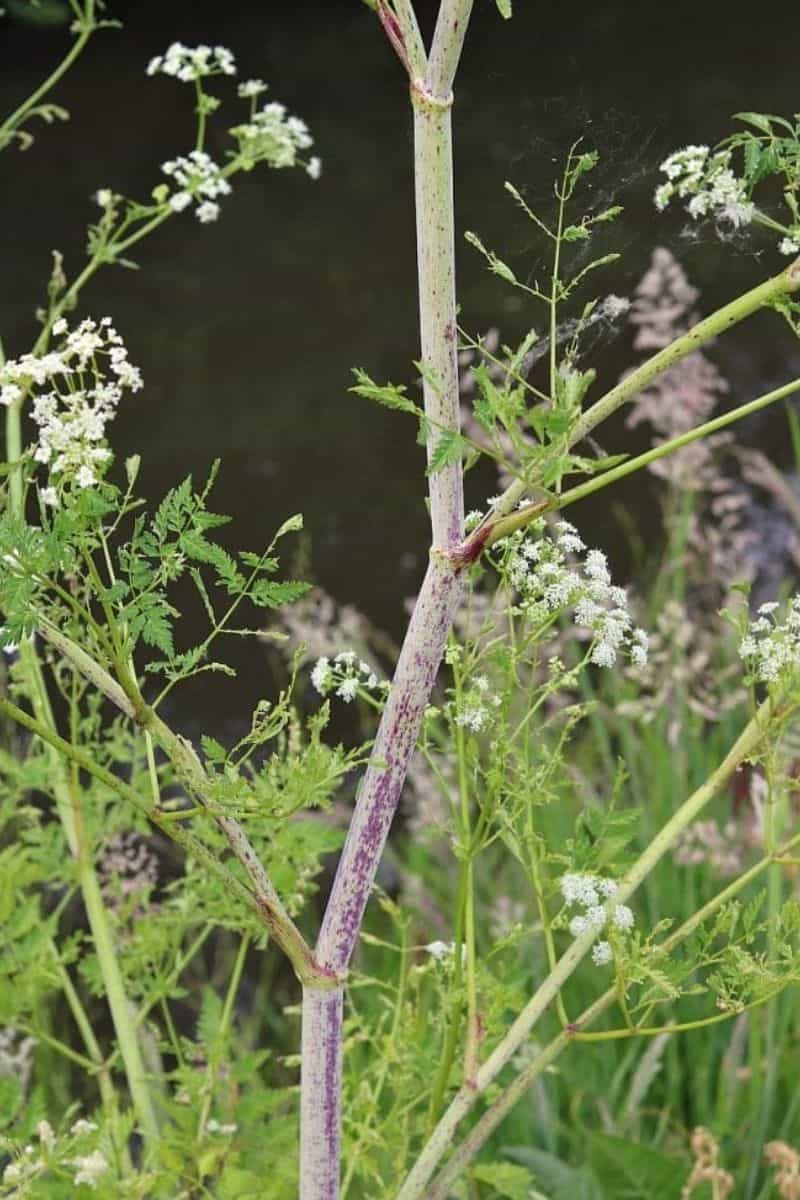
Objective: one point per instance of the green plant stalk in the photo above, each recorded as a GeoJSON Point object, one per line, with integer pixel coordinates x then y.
{"type": "Point", "coordinates": [122, 1012]}
{"type": "Point", "coordinates": [388, 1057]}
{"type": "Point", "coordinates": [723, 319]}
{"type": "Point", "coordinates": [273, 913]}
{"type": "Point", "coordinates": [523, 517]}
{"type": "Point", "coordinates": [418, 1179]}
{"type": "Point", "coordinates": [471, 1047]}
{"type": "Point", "coordinates": [555, 283]}
{"type": "Point", "coordinates": [183, 757]}
{"type": "Point", "coordinates": [104, 1083]}
{"type": "Point", "coordinates": [95, 909]}
{"type": "Point", "coordinates": [454, 1022]}
{"type": "Point", "coordinates": [173, 829]}
{"type": "Point", "coordinates": [69, 816]}
{"type": "Point", "coordinates": [222, 1035]}
{"type": "Point", "coordinates": [500, 1107]}
{"type": "Point", "coordinates": [765, 1070]}
{"type": "Point", "coordinates": [14, 450]}
{"type": "Point", "coordinates": [784, 284]}
{"type": "Point", "coordinates": [433, 176]}
{"type": "Point", "coordinates": [19, 114]}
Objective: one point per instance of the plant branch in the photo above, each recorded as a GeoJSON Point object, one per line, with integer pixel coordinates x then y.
{"type": "Point", "coordinates": [784, 284]}
{"type": "Point", "coordinates": [174, 830]}
{"type": "Point", "coordinates": [416, 1184]}
{"type": "Point", "coordinates": [492, 530]}
{"type": "Point", "coordinates": [11, 124]}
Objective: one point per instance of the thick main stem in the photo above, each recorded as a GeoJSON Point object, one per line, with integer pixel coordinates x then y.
{"type": "Point", "coordinates": [434, 610]}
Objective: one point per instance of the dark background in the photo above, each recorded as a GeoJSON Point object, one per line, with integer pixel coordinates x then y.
{"type": "Point", "coordinates": [246, 330]}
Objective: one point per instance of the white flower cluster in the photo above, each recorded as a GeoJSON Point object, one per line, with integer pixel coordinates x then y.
{"type": "Point", "coordinates": [90, 1168]}
{"type": "Point", "coordinates": [187, 64]}
{"type": "Point", "coordinates": [227, 1130]}
{"type": "Point", "coordinates": [85, 378]}
{"type": "Point", "coordinates": [708, 183]}
{"type": "Point", "coordinates": [546, 582]}
{"type": "Point", "coordinates": [443, 951]}
{"type": "Point", "coordinates": [345, 675]}
{"type": "Point", "coordinates": [250, 88]}
{"type": "Point", "coordinates": [476, 706]}
{"type": "Point", "coordinates": [25, 1168]}
{"type": "Point", "coordinates": [198, 177]}
{"type": "Point", "coordinates": [771, 650]}
{"type": "Point", "coordinates": [273, 137]}
{"type": "Point", "coordinates": [790, 245]}
{"type": "Point", "coordinates": [589, 891]}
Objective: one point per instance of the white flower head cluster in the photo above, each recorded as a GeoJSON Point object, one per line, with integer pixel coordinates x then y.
{"type": "Point", "coordinates": [708, 184]}
{"type": "Point", "coordinates": [90, 1168]}
{"type": "Point", "coordinates": [227, 1130]}
{"type": "Point", "coordinates": [345, 676]}
{"type": "Point", "coordinates": [790, 245]}
{"type": "Point", "coordinates": [76, 390]}
{"type": "Point", "coordinates": [445, 951]}
{"type": "Point", "coordinates": [475, 709]}
{"type": "Point", "coordinates": [188, 64]}
{"type": "Point", "coordinates": [33, 1160]}
{"type": "Point", "coordinates": [591, 893]}
{"type": "Point", "coordinates": [250, 89]}
{"type": "Point", "coordinates": [274, 137]}
{"type": "Point", "coordinates": [197, 177]}
{"type": "Point", "coordinates": [547, 582]}
{"type": "Point", "coordinates": [771, 649]}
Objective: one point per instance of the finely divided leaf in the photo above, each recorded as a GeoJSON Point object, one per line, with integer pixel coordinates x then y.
{"type": "Point", "coordinates": [389, 395]}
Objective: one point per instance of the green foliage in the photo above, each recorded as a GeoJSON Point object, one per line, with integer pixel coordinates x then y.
{"type": "Point", "coordinates": [528, 776]}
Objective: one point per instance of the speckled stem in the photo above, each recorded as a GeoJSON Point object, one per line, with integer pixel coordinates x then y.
{"type": "Point", "coordinates": [320, 1087]}
{"type": "Point", "coordinates": [380, 789]}
{"type": "Point", "coordinates": [432, 101]}
{"type": "Point", "coordinates": [433, 612]}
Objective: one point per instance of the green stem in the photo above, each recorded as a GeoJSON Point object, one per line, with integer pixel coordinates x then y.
{"type": "Point", "coordinates": [122, 1011]}
{"type": "Point", "coordinates": [454, 1022]}
{"type": "Point", "coordinates": [387, 1061]}
{"type": "Point", "coordinates": [19, 114]}
{"type": "Point", "coordinates": [467, 849]}
{"type": "Point", "coordinates": [500, 1107]}
{"type": "Point", "coordinates": [555, 285]}
{"type": "Point", "coordinates": [69, 299]}
{"type": "Point", "coordinates": [104, 1083]}
{"type": "Point", "coordinates": [704, 331]}
{"type": "Point", "coordinates": [441, 1139]}
{"type": "Point", "coordinates": [718, 323]}
{"type": "Point", "coordinates": [177, 833]}
{"type": "Point", "coordinates": [221, 1036]}
{"type": "Point", "coordinates": [273, 912]}
{"type": "Point", "coordinates": [523, 517]}
{"type": "Point", "coordinates": [14, 451]}
{"type": "Point", "coordinates": [188, 765]}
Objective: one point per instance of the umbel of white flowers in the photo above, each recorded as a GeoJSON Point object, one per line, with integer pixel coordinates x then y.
{"type": "Point", "coordinates": [711, 188]}
{"type": "Point", "coordinates": [590, 892]}
{"type": "Point", "coordinates": [269, 135]}
{"type": "Point", "coordinates": [771, 649]}
{"type": "Point", "coordinates": [546, 582]}
{"type": "Point", "coordinates": [76, 388]}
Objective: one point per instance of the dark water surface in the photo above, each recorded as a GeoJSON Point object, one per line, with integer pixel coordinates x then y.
{"type": "Point", "coordinates": [246, 330]}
